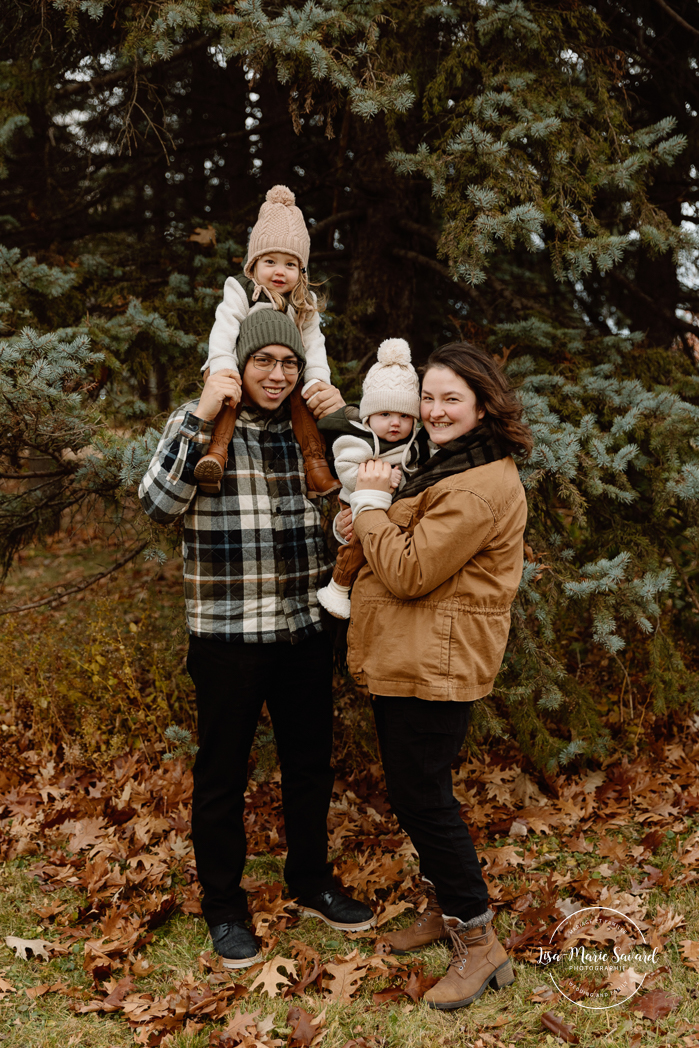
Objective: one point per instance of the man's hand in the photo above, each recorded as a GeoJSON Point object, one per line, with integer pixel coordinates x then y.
{"type": "Point", "coordinates": [374, 476]}
{"type": "Point", "coordinates": [222, 388]}
{"type": "Point", "coordinates": [343, 524]}
{"type": "Point", "coordinates": [396, 475]}
{"type": "Point", "coordinates": [323, 399]}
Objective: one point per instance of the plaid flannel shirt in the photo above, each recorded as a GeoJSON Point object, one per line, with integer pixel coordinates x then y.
{"type": "Point", "coordinates": [255, 554]}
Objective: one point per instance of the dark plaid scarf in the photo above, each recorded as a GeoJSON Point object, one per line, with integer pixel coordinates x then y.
{"type": "Point", "coordinates": [476, 448]}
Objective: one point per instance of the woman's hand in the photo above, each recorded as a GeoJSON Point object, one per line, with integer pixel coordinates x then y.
{"type": "Point", "coordinates": [343, 524]}
{"type": "Point", "coordinates": [323, 399]}
{"type": "Point", "coordinates": [374, 476]}
{"type": "Point", "coordinates": [222, 388]}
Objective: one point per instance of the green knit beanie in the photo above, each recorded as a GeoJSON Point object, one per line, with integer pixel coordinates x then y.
{"type": "Point", "coordinates": [267, 327]}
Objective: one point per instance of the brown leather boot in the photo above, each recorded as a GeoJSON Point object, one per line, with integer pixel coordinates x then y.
{"type": "Point", "coordinates": [319, 479]}
{"type": "Point", "coordinates": [478, 961]}
{"type": "Point", "coordinates": [427, 928]}
{"type": "Point", "coordinates": [210, 468]}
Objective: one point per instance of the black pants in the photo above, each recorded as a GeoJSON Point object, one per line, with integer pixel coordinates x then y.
{"type": "Point", "coordinates": [419, 740]}
{"type": "Point", "coordinates": [232, 682]}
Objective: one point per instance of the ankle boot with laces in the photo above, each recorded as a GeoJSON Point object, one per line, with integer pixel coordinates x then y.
{"type": "Point", "coordinates": [478, 961]}
{"type": "Point", "coordinates": [428, 928]}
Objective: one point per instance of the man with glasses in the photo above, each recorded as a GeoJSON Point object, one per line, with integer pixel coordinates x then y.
{"type": "Point", "coordinates": [254, 555]}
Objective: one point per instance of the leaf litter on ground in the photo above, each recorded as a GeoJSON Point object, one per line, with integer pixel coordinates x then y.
{"type": "Point", "coordinates": [119, 836]}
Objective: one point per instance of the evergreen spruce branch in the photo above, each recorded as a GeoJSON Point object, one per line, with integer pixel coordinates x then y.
{"type": "Point", "coordinates": [320, 43]}
{"type": "Point", "coordinates": [475, 232]}
{"type": "Point", "coordinates": [437, 267]}
{"type": "Point", "coordinates": [115, 76]}
{"type": "Point", "coordinates": [691, 592]}
{"type": "Point", "coordinates": [13, 123]}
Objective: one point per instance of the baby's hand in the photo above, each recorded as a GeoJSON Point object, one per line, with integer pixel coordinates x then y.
{"type": "Point", "coordinates": [343, 524]}
{"type": "Point", "coordinates": [395, 477]}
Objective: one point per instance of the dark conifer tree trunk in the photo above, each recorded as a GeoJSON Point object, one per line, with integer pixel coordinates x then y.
{"type": "Point", "coordinates": [382, 287]}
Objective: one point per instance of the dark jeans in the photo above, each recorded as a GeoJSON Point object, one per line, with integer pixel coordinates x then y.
{"type": "Point", "coordinates": [419, 740]}
{"type": "Point", "coordinates": [232, 682]}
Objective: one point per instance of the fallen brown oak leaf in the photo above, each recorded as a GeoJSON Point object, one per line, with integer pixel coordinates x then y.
{"type": "Point", "coordinates": [657, 1004]}
{"type": "Point", "coordinates": [28, 949]}
{"type": "Point", "coordinates": [239, 1027]}
{"type": "Point", "coordinates": [650, 882]}
{"type": "Point", "coordinates": [502, 1020]}
{"type": "Point", "coordinates": [305, 1029]}
{"type": "Point", "coordinates": [85, 833]}
{"type": "Point", "coordinates": [158, 910]}
{"type": "Point", "coordinates": [381, 871]}
{"type": "Point", "coordinates": [520, 940]}
{"type": "Point", "coordinates": [627, 982]}
{"type": "Point", "coordinates": [391, 910]}
{"type": "Point", "coordinates": [47, 912]}
{"type": "Point", "coordinates": [559, 1028]}
{"type": "Point", "coordinates": [393, 993]}
{"type": "Point", "coordinates": [344, 977]}
{"type": "Point", "coordinates": [578, 844]}
{"type": "Point", "coordinates": [37, 991]}
{"type": "Point", "coordinates": [613, 849]}
{"type": "Point", "coordinates": [113, 1002]}
{"type": "Point", "coordinates": [490, 1040]}
{"type": "Point", "coordinates": [543, 995]}
{"type": "Point", "coordinates": [56, 987]}
{"type": "Point", "coordinates": [270, 979]}
{"type": "Point", "coordinates": [500, 860]}
{"type": "Point", "coordinates": [666, 919]}
{"type": "Point", "coordinates": [690, 953]}
{"type": "Point", "coordinates": [419, 983]}
{"type": "Point", "coordinates": [312, 968]}
{"type": "Point", "coordinates": [415, 985]}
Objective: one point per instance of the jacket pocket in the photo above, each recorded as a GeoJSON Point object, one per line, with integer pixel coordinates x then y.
{"type": "Point", "coordinates": [446, 646]}
{"type": "Point", "coordinates": [393, 642]}
{"type": "Point", "coordinates": [401, 514]}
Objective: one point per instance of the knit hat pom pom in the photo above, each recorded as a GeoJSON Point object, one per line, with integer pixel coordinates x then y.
{"type": "Point", "coordinates": [281, 195]}
{"type": "Point", "coordinates": [394, 351]}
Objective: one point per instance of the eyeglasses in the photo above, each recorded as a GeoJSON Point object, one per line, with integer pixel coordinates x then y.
{"type": "Point", "coordinates": [290, 366]}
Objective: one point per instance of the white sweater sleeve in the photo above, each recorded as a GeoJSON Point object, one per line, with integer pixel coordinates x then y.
{"type": "Point", "coordinates": [317, 367]}
{"type": "Point", "coordinates": [369, 498]}
{"type": "Point", "coordinates": [348, 453]}
{"type": "Point", "coordinates": [224, 334]}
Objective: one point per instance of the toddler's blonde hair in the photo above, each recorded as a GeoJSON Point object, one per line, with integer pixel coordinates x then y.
{"type": "Point", "coordinates": [300, 297]}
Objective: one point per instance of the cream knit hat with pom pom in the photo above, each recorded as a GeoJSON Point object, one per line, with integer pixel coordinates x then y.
{"type": "Point", "coordinates": [392, 383]}
{"type": "Point", "coordinates": [279, 227]}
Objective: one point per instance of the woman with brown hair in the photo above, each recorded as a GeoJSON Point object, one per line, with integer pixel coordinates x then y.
{"type": "Point", "coordinates": [428, 629]}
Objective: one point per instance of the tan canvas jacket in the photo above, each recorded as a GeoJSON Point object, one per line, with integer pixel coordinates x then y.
{"type": "Point", "coordinates": [431, 608]}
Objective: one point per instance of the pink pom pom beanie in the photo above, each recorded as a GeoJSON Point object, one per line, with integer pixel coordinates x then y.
{"type": "Point", "coordinates": [392, 383]}
{"type": "Point", "coordinates": [279, 227]}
